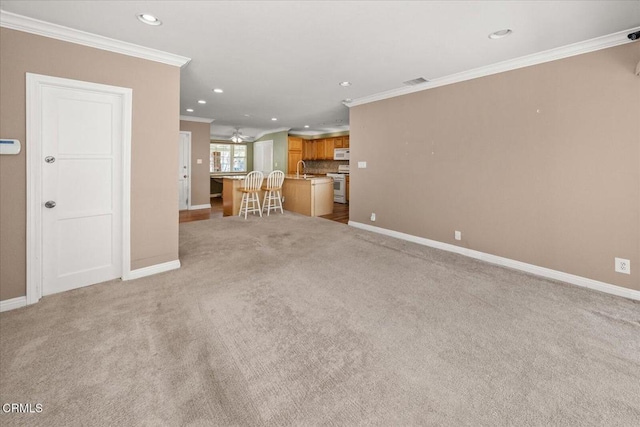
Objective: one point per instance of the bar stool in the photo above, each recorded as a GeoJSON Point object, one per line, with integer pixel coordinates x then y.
{"type": "Point", "coordinates": [250, 198]}
{"type": "Point", "coordinates": [272, 198]}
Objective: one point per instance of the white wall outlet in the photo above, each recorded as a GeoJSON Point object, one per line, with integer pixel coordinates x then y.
{"type": "Point", "coordinates": [362, 165]}
{"type": "Point", "coordinates": [623, 266]}
{"type": "Point", "coordinates": [373, 216]}
{"type": "Point", "coordinates": [199, 161]}
{"type": "Point", "coordinates": [282, 199]}
{"type": "Point", "coordinates": [275, 165]}
{"type": "Point", "coordinates": [457, 235]}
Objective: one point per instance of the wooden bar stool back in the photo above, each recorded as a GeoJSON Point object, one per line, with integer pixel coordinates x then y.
{"type": "Point", "coordinates": [250, 194]}
{"type": "Point", "coordinates": [272, 197]}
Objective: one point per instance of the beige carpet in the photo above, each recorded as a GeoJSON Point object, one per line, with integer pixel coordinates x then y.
{"type": "Point", "coordinates": [290, 320]}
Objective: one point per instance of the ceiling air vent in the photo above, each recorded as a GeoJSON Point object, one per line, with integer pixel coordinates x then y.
{"type": "Point", "coordinates": [417, 81]}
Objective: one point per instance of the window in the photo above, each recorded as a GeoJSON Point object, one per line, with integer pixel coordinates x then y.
{"type": "Point", "coordinates": [228, 158]}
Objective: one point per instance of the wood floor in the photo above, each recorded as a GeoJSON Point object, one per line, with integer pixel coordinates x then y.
{"type": "Point", "coordinates": [200, 214]}
{"type": "Point", "coordinates": [340, 212]}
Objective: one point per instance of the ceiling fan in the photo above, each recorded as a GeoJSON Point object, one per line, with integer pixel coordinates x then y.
{"type": "Point", "coordinates": [237, 136]}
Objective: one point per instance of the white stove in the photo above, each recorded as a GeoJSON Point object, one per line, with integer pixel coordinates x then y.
{"type": "Point", "coordinates": [340, 184]}
{"type": "Point", "coordinates": [343, 169]}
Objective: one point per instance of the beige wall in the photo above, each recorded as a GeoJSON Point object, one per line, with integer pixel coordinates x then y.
{"type": "Point", "coordinates": [200, 143]}
{"type": "Point", "coordinates": [154, 155]}
{"type": "Point", "coordinates": [540, 164]}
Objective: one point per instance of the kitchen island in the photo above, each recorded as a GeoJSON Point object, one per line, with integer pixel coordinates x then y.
{"type": "Point", "coordinates": [231, 194]}
{"type": "Point", "coordinates": [308, 195]}
{"type": "Point", "coordinates": [305, 194]}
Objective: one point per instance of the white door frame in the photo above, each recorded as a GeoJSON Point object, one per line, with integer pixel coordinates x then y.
{"type": "Point", "coordinates": [188, 133]}
{"type": "Point", "coordinates": [35, 84]}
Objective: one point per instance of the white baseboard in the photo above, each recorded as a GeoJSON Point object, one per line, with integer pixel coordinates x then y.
{"type": "Point", "coordinates": [506, 262]}
{"type": "Point", "coordinates": [196, 207]}
{"type": "Point", "coordinates": [13, 303]}
{"type": "Point", "coordinates": [151, 270]}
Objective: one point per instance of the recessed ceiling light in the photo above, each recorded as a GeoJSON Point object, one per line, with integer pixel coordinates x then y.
{"type": "Point", "coordinates": [500, 34]}
{"type": "Point", "coordinates": [190, 110]}
{"type": "Point", "coordinates": [148, 19]}
{"type": "Point", "coordinates": [202, 101]}
{"type": "Point", "coordinates": [218, 90]}
{"type": "Point", "coordinates": [247, 115]}
{"type": "Point", "coordinates": [345, 84]}
{"type": "Point", "coordinates": [273, 119]}
{"type": "Point", "coordinates": [347, 100]}
{"type": "Point", "coordinates": [306, 126]}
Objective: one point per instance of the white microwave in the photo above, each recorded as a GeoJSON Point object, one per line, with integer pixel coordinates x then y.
{"type": "Point", "coordinates": [340, 154]}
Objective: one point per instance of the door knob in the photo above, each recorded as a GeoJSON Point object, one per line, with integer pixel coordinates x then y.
{"type": "Point", "coordinates": [50, 204]}
{"type": "Point", "coordinates": [185, 176]}
{"type": "Point", "coordinates": [49, 159]}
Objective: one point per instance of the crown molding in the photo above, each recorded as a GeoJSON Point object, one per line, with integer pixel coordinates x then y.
{"type": "Point", "coordinates": [35, 26]}
{"type": "Point", "coordinates": [226, 139]}
{"type": "Point", "coordinates": [579, 48]}
{"type": "Point", "coordinates": [196, 119]}
{"type": "Point", "coordinates": [325, 131]}
{"type": "Point", "coordinates": [219, 137]}
{"type": "Point", "coordinates": [270, 131]}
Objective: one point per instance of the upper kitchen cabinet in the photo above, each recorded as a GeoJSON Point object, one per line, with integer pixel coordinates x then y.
{"type": "Point", "coordinates": [320, 149]}
{"type": "Point", "coordinates": [329, 145]}
{"type": "Point", "coordinates": [295, 143]}
{"type": "Point", "coordinates": [309, 151]}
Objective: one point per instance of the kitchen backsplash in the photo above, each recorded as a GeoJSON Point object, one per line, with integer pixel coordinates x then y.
{"type": "Point", "coordinates": [323, 166]}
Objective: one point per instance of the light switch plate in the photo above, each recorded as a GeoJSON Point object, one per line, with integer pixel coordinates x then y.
{"type": "Point", "coordinates": [199, 161]}
{"type": "Point", "coordinates": [362, 165]}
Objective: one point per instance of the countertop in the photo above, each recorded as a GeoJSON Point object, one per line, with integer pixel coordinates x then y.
{"type": "Point", "coordinates": [289, 176]}
{"type": "Point", "coordinates": [310, 177]}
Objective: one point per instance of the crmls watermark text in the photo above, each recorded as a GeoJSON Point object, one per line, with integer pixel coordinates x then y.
{"type": "Point", "coordinates": [22, 408]}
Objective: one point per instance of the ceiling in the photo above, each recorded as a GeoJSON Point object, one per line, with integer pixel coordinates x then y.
{"type": "Point", "coordinates": [285, 59]}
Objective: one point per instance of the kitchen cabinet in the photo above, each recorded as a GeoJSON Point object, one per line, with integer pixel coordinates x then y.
{"type": "Point", "coordinates": [328, 148]}
{"type": "Point", "coordinates": [292, 161]}
{"type": "Point", "coordinates": [311, 196]}
{"type": "Point", "coordinates": [320, 149]}
{"type": "Point", "coordinates": [309, 150]}
{"type": "Point", "coordinates": [294, 153]}
{"type": "Point", "coordinates": [295, 143]}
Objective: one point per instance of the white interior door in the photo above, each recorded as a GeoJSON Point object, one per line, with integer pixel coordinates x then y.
{"type": "Point", "coordinates": [184, 170]}
{"type": "Point", "coordinates": [82, 187]}
{"type": "Point", "coordinates": [263, 156]}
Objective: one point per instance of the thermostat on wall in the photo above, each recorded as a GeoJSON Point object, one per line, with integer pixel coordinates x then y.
{"type": "Point", "coordinates": [9, 146]}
